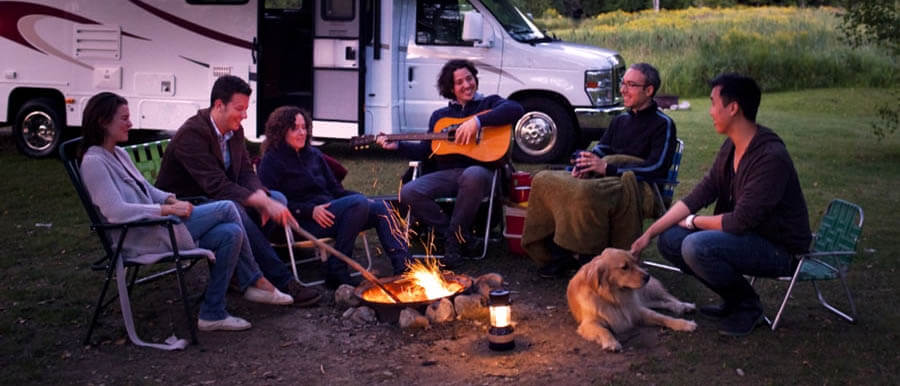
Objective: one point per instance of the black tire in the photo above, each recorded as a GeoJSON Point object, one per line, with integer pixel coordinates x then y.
{"type": "Point", "coordinates": [38, 129]}
{"type": "Point", "coordinates": [544, 134]}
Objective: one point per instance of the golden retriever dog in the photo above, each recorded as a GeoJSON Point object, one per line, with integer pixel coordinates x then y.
{"type": "Point", "coordinates": [612, 294]}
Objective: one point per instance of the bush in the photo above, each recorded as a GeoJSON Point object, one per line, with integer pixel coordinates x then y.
{"type": "Point", "coordinates": [784, 48]}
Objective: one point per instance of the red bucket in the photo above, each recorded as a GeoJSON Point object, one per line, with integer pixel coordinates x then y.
{"type": "Point", "coordinates": [515, 224]}
{"type": "Point", "coordinates": [520, 194]}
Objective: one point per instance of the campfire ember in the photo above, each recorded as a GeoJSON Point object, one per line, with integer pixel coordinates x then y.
{"type": "Point", "coordinates": [422, 282]}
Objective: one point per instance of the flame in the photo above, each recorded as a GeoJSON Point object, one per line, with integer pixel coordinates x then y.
{"type": "Point", "coordinates": [423, 281]}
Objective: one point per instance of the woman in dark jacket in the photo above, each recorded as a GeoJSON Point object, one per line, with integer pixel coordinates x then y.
{"type": "Point", "coordinates": [319, 203]}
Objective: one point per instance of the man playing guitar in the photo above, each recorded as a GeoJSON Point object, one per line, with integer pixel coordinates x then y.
{"type": "Point", "coordinates": [455, 174]}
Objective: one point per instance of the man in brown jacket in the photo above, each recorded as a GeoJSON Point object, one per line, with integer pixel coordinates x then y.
{"type": "Point", "coordinates": [208, 157]}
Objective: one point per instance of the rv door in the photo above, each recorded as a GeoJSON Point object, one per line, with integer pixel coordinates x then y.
{"type": "Point", "coordinates": [337, 60]}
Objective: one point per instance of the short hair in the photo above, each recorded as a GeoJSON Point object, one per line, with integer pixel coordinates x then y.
{"type": "Point", "coordinates": [650, 73]}
{"type": "Point", "coordinates": [225, 87]}
{"type": "Point", "coordinates": [280, 122]}
{"type": "Point", "coordinates": [99, 112]}
{"type": "Point", "coordinates": [445, 80]}
{"type": "Point", "coordinates": [741, 89]}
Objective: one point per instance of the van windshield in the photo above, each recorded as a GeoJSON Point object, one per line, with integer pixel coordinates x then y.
{"type": "Point", "coordinates": [515, 22]}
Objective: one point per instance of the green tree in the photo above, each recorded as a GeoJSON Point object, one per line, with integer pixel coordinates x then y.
{"type": "Point", "coordinates": [876, 22]}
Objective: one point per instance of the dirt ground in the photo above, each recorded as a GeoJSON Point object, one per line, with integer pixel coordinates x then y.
{"type": "Point", "coordinates": [289, 345]}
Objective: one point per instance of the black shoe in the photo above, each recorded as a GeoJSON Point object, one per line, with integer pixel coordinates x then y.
{"type": "Point", "coordinates": [558, 268]}
{"type": "Point", "coordinates": [452, 260]}
{"type": "Point", "coordinates": [473, 248]}
{"type": "Point", "coordinates": [332, 282]}
{"type": "Point", "coordinates": [743, 320]}
{"type": "Point", "coordinates": [716, 311]}
{"type": "Point", "coordinates": [303, 297]}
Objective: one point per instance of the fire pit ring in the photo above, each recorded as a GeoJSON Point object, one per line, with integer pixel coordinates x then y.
{"type": "Point", "coordinates": [390, 312]}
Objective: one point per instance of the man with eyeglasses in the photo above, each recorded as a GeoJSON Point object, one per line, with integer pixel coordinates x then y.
{"type": "Point", "coordinates": [642, 141]}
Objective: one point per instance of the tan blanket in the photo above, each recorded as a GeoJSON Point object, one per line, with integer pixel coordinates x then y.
{"type": "Point", "coordinates": [585, 215]}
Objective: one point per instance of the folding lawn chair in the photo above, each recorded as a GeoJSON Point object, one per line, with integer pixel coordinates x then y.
{"type": "Point", "coordinates": [833, 248]}
{"type": "Point", "coordinates": [115, 265]}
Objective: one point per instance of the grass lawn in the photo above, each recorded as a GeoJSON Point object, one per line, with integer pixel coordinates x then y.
{"type": "Point", "coordinates": [48, 287]}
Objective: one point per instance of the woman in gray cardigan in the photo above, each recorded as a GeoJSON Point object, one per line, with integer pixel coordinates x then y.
{"type": "Point", "coordinates": [121, 194]}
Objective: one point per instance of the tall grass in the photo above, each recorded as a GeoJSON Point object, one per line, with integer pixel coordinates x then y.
{"type": "Point", "coordinates": [783, 48]}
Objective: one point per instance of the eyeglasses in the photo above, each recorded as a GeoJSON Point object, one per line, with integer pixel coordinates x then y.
{"type": "Point", "coordinates": [633, 85]}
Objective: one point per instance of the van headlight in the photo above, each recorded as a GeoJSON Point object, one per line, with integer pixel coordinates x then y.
{"type": "Point", "coordinates": [602, 86]}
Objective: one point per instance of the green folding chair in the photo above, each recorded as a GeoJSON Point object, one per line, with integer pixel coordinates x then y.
{"type": "Point", "coordinates": [833, 248]}
{"type": "Point", "coordinates": [148, 157]}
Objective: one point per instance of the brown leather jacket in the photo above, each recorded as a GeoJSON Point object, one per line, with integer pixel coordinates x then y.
{"type": "Point", "coordinates": [193, 163]}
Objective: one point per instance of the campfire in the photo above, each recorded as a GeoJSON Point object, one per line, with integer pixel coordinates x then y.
{"type": "Point", "coordinates": [422, 282]}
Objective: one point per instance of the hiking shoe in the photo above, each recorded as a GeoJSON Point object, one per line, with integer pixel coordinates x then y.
{"type": "Point", "coordinates": [332, 282]}
{"type": "Point", "coordinates": [741, 321]}
{"type": "Point", "coordinates": [716, 311]}
{"type": "Point", "coordinates": [230, 323]}
{"type": "Point", "coordinates": [303, 296]}
{"type": "Point", "coordinates": [473, 248]}
{"type": "Point", "coordinates": [452, 256]}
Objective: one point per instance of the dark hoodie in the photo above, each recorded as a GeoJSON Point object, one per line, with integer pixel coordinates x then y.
{"type": "Point", "coordinates": [302, 176]}
{"type": "Point", "coordinates": [763, 197]}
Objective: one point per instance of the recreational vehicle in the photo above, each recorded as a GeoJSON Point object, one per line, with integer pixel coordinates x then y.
{"type": "Point", "coordinates": [359, 66]}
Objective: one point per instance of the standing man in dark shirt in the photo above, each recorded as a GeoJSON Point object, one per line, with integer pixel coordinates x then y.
{"type": "Point", "coordinates": [760, 219]}
{"type": "Point", "coordinates": [208, 157]}
{"type": "Point", "coordinates": [455, 175]}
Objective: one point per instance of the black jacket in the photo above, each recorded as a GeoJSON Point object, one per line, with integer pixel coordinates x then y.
{"type": "Point", "coordinates": [762, 197]}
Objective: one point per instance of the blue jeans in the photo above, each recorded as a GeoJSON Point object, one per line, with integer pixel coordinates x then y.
{"type": "Point", "coordinates": [719, 259]}
{"type": "Point", "coordinates": [216, 226]}
{"type": "Point", "coordinates": [469, 185]}
{"type": "Point", "coordinates": [353, 214]}
{"type": "Point", "coordinates": [269, 263]}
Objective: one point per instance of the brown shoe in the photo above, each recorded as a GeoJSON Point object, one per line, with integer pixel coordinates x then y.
{"type": "Point", "coordinates": [303, 296]}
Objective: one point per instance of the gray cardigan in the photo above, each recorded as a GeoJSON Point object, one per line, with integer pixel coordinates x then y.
{"type": "Point", "coordinates": [119, 198]}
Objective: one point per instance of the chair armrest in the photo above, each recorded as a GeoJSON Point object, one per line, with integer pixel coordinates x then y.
{"type": "Point", "coordinates": [138, 223]}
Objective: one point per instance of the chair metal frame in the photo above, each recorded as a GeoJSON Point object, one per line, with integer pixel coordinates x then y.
{"type": "Point", "coordinates": [321, 255]}
{"type": "Point", "coordinates": [667, 193]}
{"type": "Point", "coordinates": [113, 256]}
{"type": "Point", "coordinates": [489, 200]}
{"type": "Point", "coordinates": [833, 247]}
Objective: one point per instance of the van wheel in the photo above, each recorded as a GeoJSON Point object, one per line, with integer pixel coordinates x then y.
{"type": "Point", "coordinates": [544, 134]}
{"type": "Point", "coordinates": [38, 129]}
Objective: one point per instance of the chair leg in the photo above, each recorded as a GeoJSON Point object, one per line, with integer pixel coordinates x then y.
{"type": "Point", "coordinates": [788, 294]}
{"type": "Point", "coordinates": [182, 290]}
{"type": "Point", "coordinates": [850, 318]}
{"type": "Point", "coordinates": [99, 307]}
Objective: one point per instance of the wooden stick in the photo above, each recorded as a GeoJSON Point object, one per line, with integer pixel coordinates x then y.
{"type": "Point", "coordinates": [366, 274]}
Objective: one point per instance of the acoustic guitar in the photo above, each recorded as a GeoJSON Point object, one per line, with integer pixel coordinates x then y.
{"type": "Point", "coordinates": [490, 144]}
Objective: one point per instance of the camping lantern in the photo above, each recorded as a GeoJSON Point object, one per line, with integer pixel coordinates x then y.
{"type": "Point", "coordinates": [500, 335]}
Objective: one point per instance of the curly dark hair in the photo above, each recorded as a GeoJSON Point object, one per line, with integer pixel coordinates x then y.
{"type": "Point", "coordinates": [99, 112]}
{"type": "Point", "coordinates": [280, 122]}
{"type": "Point", "coordinates": [445, 80]}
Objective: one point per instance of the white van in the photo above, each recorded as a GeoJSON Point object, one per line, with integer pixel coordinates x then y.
{"type": "Point", "coordinates": [360, 66]}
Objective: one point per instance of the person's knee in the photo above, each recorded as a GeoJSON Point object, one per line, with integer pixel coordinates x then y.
{"type": "Point", "coordinates": [697, 248]}
{"type": "Point", "coordinates": [278, 196]}
{"type": "Point", "coordinates": [669, 241]}
{"type": "Point", "coordinates": [410, 193]}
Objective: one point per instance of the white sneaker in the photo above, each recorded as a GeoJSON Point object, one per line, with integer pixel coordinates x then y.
{"type": "Point", "coordinates": [276, 297]}
{"type": "Point", "coordinates": [230, 323]}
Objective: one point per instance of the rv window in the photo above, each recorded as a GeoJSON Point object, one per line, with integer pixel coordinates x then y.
{"type": "Point", "coordinates": [338, 10]}
{"type": "Point", "coordinates": [439, 22]}
{"type": "Point", "coordinates": [215, 2]}
{"type": "Point", "coordinates": [284, 4]}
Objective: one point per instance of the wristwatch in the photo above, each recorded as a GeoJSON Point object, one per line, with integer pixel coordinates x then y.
{"type": "Point", "coordinates": [690, 222]}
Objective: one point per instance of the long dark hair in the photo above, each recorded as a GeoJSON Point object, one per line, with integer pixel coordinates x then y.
{"type": "Point", "coordinates": [280, 122]}
{"type": "Point", "coordinates": [99, 112]}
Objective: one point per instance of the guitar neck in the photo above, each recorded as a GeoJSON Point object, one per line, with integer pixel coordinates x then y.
{"type": "Point", "coordinates": [418, 136]}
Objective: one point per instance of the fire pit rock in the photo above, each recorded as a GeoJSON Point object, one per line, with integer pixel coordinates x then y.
{"type": "Point", "coordinates": [410, 318]}
{"type": "Point", "coordinates": [360, 315]}
{"type": "Point", "coordinates": [344, 296]}
{"type": "Point", "coordinates": [440, 311]}
{"type": "Point", "coordinates": [470, 307]}
{"type": "Point", "coordinates": [486, 283]}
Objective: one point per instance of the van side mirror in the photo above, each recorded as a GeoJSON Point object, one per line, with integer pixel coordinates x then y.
{"type": "Point", "coordinates": [473, 29]}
